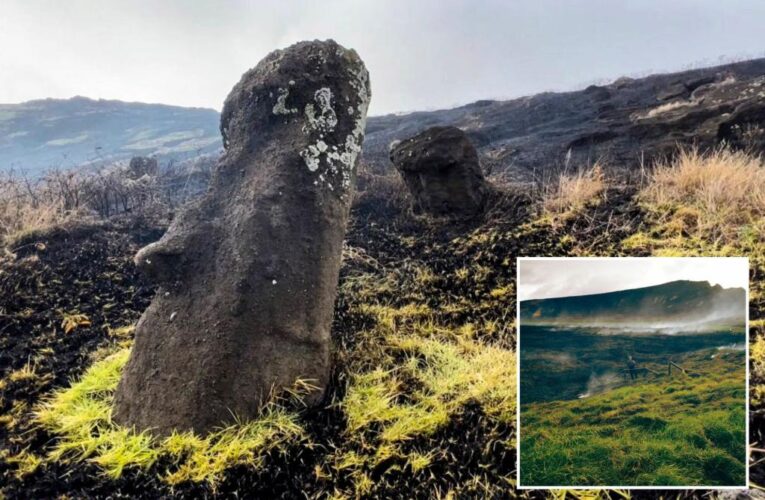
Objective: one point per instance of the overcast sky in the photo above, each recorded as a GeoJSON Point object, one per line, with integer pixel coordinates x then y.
{"type": "Point", "coordinates": [546, 278]}
{"type": "Point", "coordinates": [421, 54]}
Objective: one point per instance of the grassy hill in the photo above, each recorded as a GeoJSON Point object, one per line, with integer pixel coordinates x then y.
{"type": "Point", "coordinates": [684, 430]}
{"type": "Point", "coordinates": [564, 363]}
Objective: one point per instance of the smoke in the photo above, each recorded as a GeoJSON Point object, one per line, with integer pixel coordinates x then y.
{"type": "Point", "coordinates": [732, 347]}
{"type": "Point", "coordinates": [600, 383]}
{"type": "Point", "coordinates": [558, 358]}
{"type": "Point", "coordinates": [720, 317]}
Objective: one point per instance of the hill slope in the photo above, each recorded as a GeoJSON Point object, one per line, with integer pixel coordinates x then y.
{"type": "Point", "coordinates": [422, 305]}
{"type": "Point", "coordinates": [664, 431]}
{"type": "Point", "coordinates": [623, 123]}
{"type": "Point", "coordinates": [37, 135]}
{"type": "Point", "coordinates": [684, 303]}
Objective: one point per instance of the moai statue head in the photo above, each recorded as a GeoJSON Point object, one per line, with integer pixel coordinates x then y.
{"type": "Point", "coordinates": [440, 167]}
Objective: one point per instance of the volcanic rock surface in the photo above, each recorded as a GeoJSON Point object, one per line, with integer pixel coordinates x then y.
{"type": "Point", "coordinates": [441, 169]}
{"type": "Point", "coordinates": [248, 274]}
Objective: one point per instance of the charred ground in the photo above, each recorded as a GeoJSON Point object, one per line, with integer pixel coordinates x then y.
{"type": "Point", "coordinates": [88, 270]}
{"type": "Point", "coordinates": [409, 271]}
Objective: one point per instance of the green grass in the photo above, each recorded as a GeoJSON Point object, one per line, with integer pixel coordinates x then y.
{"type": "Point", "coordinates": [423, 374]}
{"type": "Point", "coordinates": [681, 431]}
{"type": "Point", "coordinates": [80, 416]}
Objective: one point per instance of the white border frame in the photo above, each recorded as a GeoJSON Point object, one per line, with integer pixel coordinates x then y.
{"type": "Point", "coordinates": [518, 484]}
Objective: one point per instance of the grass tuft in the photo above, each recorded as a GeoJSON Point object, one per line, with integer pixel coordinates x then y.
{"type": "Point", "coordinates": [574, 192]}
{"type": "Point", "coordinates": [25, 373]}
{"type": "Point", "coordinates": [719, 196]}
{"type": "Point", "coordinates": [26, 463]}
{"type": "Point", "coordinates": [81, 418]}
{"type": "Point", "coordinates": [425, 375]}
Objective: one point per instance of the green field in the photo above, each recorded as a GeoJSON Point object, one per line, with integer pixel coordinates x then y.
{"type": "Point", "coordinates": [680, 430]}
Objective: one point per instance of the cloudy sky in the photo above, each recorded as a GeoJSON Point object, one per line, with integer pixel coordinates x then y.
{"type": "Point", "coordinates": [422, 54]}
{"type": "Point", "coordinates": [546, 278]}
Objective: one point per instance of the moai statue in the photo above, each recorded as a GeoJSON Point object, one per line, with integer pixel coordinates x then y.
{"type": "Point", "coordinates": [248, 274]}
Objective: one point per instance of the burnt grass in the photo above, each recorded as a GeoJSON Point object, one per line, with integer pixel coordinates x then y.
{"type": "Point", "coordinates": [88, 269]}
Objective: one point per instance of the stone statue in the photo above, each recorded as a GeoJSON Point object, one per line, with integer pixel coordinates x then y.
{"type": "Point", "coordinates": [248, 274]}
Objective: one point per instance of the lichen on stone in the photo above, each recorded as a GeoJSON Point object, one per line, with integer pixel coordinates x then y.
{"type": "Point", "coordinates": [340, 159]}
{"type": "Point", "coordinates": [280, 108]}
{"type": "Point", "coordinates": [326, 120]}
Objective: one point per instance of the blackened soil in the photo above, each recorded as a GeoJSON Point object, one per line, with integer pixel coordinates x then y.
{"type": "Point", "coordinates": [82, 269]}
{"type": "Point", "coordinates": [88, 270]}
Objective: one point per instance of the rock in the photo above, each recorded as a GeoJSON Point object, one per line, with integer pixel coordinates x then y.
{"type": "Point", "coordinates": [677, 89]}
{"type": "Point", "coordinates": [597, 93]}
{"type": "Point", "coordinates": [744, 127]}
{"type": "Point", "coordinates": [248, 274]}
{"type": "Point", "coordinates": [695, 82]}
{"type": "Point", "coordinates": [623, 81]}
{"type": "Point", "coordinates": [441, 169]}
{"type": "Point", "coordinates": [727, 111]}
{"type": "Point", "coordinates": [742, 494]}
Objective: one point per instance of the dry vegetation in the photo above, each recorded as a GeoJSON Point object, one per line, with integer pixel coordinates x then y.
{"type": "Point", "coordinates": [706, 204]}
{"type": "Point", "coordinates": [371, 185]}
{"type": "Point", "coordinates": [59, 198]}
{"type": "Point", "coordinates": [714, 196]}
{"type": "Point", "coordinates": [27, 206]}
{"type": "Point", "coordinates": [573, 192]}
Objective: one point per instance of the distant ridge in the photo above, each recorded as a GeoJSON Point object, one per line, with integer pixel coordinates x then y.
{"type": "Point", "coordinates": [624, 123]}
{"type": "Point", "coordinates": [40, 134]}
{"type": "Point", "coordinates": [671, 304]}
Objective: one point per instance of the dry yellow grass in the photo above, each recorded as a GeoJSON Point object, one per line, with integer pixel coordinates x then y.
{"type": "Point", "coordinates": [714, 195]}
{"type": "Point", "coordinates": [26, 207]}
{"type": "Point", "coordinates": [706, 204]}
{"type": "Point", "coordinates": [574, 192]}
{"type": "Point", "coordinates": [664, 108]}
{"type": "Point", "coordinates": [17, 217]}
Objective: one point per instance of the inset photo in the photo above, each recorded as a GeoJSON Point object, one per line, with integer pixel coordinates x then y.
{"type": "Point", "coordinates": [632, 372]}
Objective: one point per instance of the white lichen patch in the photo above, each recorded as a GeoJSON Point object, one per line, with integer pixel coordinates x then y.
{"type": "Point", "coordinates": [280, 108]}
{"type": "Point", "coordinates": [326, 119]}
{"type": "Point", "coordinates": [340, 159]}
{"type": "Point", "coordinates": [353, 141]}
{"type": "Point", "coordinates": [311, 159]}
{"type": "Point", "coordinates": [312, 153]}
